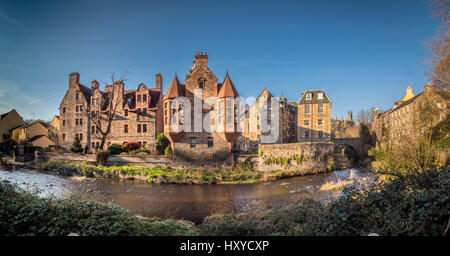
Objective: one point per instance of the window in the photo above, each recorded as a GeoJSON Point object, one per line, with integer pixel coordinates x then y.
{"type": "Point", "coordinates": [308, 96]}
{"type": "Point", "coordinates": [63, 136]}
{"type": "Point", "coordinates": [144, 98]}
{"type": "Point", "coordinates": [193, 142]}
{"type": "Point", "coordinates": [93, 129]}
{"type": "Point", "coordinates": [210, 142]}
{"type": "Point", "coordinates": [320, 134]}
{"type": "Point", "coordinates": [76, 122]}
{"type": "Point", "coordinates": [126, 112]}
{"type": "Point", "coordinates": [81, 108]}
{"type": "Point", "coordinates": [306, 134]}
{"type": "Point", "coordinates": [320, 122]}
{"type": "Point", "coordinates": [320, 96]}
{"type": "Point", "coordinates": [144, 111]}
{"type": "Point", "coordinates": [77, 96]}
{"type": "Point", "coordinates": [307, 109]}
{"type": "Point", "coordinates": [139, 98]}
{"type": "Point", "coordinates": [200, 85]}
{"type": "Point", "coordinates": [64, 110]}
{"type": "Point", "coordinates": [80, 136]}
{"type": "Point", "coordinates": [125, 128]}
{"type": "Point", "coordinates": [64, 122]}
{"type": "Point", "coordinates": [306, 122]}
{"type": "Point", "coordinates": [93, 145]}
{"type": "Point", "coordinates": [144, 128]}
{"type": "Point", "coordinates": [320, 108]}
{"type": "Point", "coordinates": [81, 121]}
{"type": "Point", "coordinates": [76, 109]}
{"type": "Point", "coordinates": [139, 128]}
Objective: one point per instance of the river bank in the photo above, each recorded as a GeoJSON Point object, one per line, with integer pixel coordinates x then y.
{"type": "Point", "coordinates": [242, 174]}
{"type": "Point", "coordinates": [385, 208]}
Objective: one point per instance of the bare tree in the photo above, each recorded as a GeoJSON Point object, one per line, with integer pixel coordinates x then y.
{"type": "Point", "coordinates": [365, 116]}
{"type": "Point", "coordinates": [103, 117]}
{"type": "Point", "coordinates": [439, 73]}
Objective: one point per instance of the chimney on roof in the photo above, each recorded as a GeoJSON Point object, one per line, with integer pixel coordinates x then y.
{"type": "Point", "coordinates": [94, 84]}
{"type": "Point", "coordinates": [201, 59]}
{"type": "Point", "coordinates": [350, 116]}
{"type": "Point", "coordinates": [74, 78]}
{"type": "Point", "coordinates": [159, 82]}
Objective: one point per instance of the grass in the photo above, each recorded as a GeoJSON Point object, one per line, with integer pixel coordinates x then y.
{"type": "Point", "coordinates": [152, 174]}
{"type": "Point", "coordinates": [339, 184]}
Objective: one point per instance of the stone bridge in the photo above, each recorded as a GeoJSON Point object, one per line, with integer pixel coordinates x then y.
{"type": "Point", "coordinates": [353, 144]}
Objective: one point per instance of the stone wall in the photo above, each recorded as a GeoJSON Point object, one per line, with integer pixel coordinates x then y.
{"type": "Point", "coordinates": [307, 157]}
{"type": "Point", "coordinates": [146, 160]}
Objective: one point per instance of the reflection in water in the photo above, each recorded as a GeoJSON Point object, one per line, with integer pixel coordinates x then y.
{"type": "Point", "coordinates": [191, 202]}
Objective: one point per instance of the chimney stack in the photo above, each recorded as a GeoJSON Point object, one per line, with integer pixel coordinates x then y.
{"type": "Point", "coordinates": [74, 78]}
{"type": "Point", "coordinates": [201, 59]}
{"type": "Point", "coordinates": [94, 84]}
{"type": "Point", "coordinates": [350, 116]}
{"type": "Point", "coordinates": [159, 82]}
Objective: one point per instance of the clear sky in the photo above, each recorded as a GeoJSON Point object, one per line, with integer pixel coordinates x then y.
{"type": "Point", "coordinates": [363, 53]}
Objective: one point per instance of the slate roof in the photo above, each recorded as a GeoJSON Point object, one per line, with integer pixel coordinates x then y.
{"type": "Point", "coordinates": [314, 99]}
{"type": "Point", "coordinates": [175, 89]}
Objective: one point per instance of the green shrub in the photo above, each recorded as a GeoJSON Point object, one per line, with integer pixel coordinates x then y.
{"type": "Point", "coordinates": [23, 213]}
{"type": "Point", "coordinates": [115, 149]}
{"type": "Point", "coordinates": [161, 143]}
{"type": "Point", "coordinates": [168, 150]}
{"type": "Point", "coordinates": [76, 145]}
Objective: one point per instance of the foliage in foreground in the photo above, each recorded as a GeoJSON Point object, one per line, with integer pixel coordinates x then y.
{"type": "Point", "coordinates": [24, 213]}
{"type": "Point", "coordinates": [152, 174]}
{"type": "Point", "coordinates": [415, 204]}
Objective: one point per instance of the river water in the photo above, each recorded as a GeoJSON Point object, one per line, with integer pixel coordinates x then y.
{"type": "Point", "coordinates": [190, 202]}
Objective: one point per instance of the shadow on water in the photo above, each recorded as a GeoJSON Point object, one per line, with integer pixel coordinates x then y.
{"type": "Point", "coordinates": [190, 202]}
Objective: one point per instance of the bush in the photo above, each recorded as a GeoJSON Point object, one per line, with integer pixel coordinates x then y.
{"type": "Point", "coordinates": [168, 150]}
{"type": "Point", "coordinates": [115, 149]}
{"type": "Point", "coordinates": [129, 146]}
{"type": "Point", "coordinates": [76, 145]}
{"type": "Point", "coordinates": [23, 213]}
{"type": "Point", "coordinates": [161, 143]}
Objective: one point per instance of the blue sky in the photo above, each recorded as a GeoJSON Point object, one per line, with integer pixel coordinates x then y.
{"type": "Point", "coordinates": [363, 53]}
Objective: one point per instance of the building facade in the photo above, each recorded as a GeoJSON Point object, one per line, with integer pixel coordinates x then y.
{"type": "Point", "coordinates": [8, 122]}
{"type": "Point", "coordinates": [286, 122]}
{"type": "Point", "coordinates": [206, 130]}
{"type": "Point", "coordinates": [410, 117]}
{"type": "Point", "coordinates": [314, 117]}
{"type": "Point", "coordinates": [135, 116]}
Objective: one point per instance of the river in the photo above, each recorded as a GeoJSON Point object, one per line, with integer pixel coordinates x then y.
{"type": "Point", "coordinates": [190, 202]}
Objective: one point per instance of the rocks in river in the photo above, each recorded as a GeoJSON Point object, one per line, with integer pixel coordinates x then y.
{"type": "Point", "coordinates": [373, 234]}
{"type": "Point", "coordinates": [73, 234]}
{"type": "Point", "coordinates": [5, 181]}
{"type": "Point", "coordinates": [284, 184]}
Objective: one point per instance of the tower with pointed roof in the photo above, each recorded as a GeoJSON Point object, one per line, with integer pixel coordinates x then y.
{"type": "Point", "coordinates": [198, 139]}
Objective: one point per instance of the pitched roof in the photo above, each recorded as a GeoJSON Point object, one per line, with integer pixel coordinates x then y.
{"type": "Point", "coordinates": [36, 138]}
{"type": "Point", "coordinates": [5, 114]}
{"type": "Point", "coordinates": [227, 89]}
{"type": "Point", "coordinates": [46, 125]}
{"type": "Point", "coordinates": [175, 89]}
{"type": "Point", "coordinates": [314, 97]}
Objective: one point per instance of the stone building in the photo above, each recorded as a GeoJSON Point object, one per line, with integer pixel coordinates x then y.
{"type": "Point", "coordinates": [341, 128]}
{"type": "Point", "coordinates": [410, 117]}
{"type": "Point", "coordinates": [137, 113]}
{"type": "Point", "coordinates": [186, 124]}
{"type": "Point", "coordinates": [286, 117]}
{"type": "Point", "coordinates": [8, 122]}
{"type": "Point", "coordinates": [37, 133]}
{"type": "Point", "coordinates": [314, 117]}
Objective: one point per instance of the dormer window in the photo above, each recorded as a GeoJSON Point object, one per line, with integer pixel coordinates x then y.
{"type": "Point", "coordinates": [77, 95]}
{"type": "Point", "coordinates": [144, 98]}
{"type": "Point", "coordinates": [200, 85]}
{"type": "Point", "coordinates": [320, 96]}
{"type": "Point", "coordinates": [308, 96]}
